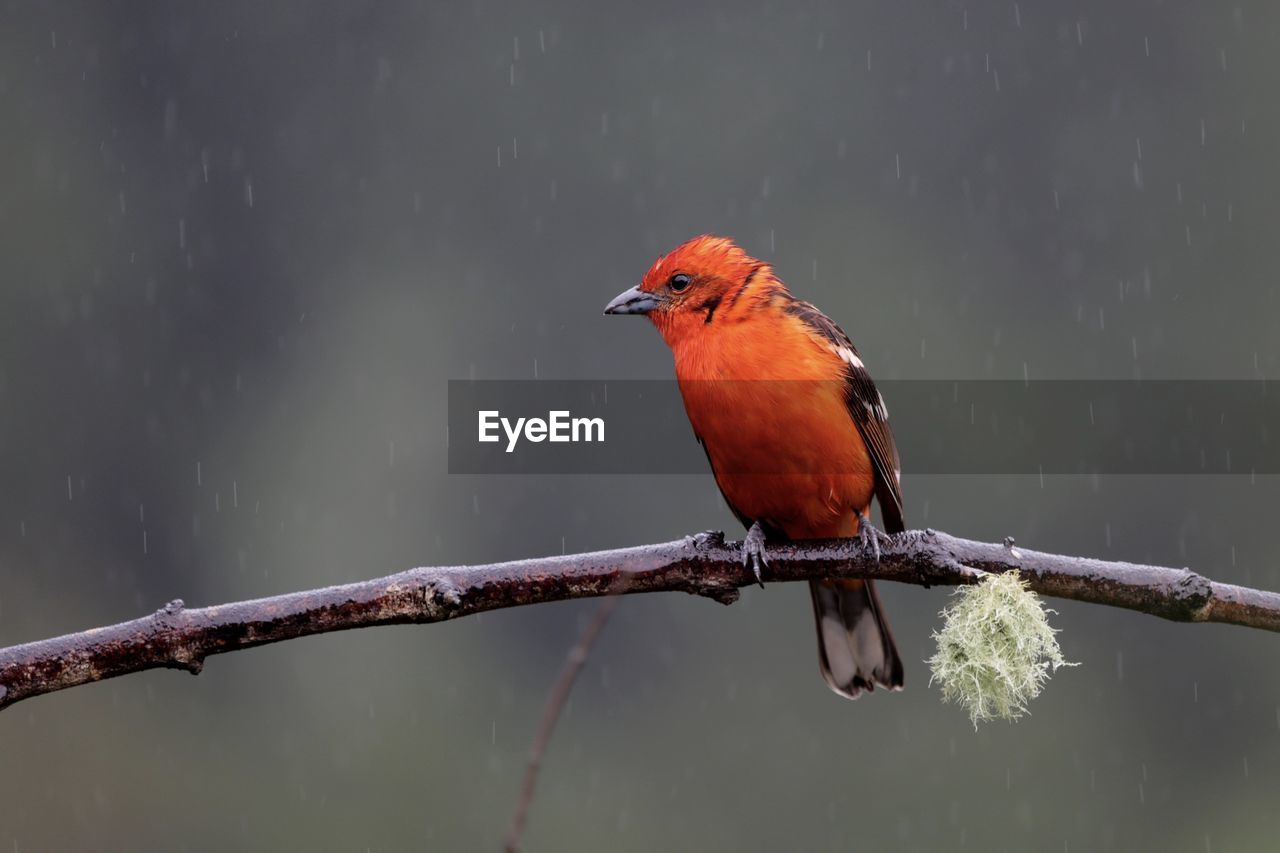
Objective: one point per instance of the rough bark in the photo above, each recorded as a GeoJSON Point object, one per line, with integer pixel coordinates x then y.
{"type": "Point", "coordinates": [178, 637]}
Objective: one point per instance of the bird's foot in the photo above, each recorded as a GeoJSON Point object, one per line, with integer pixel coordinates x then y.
{"type": "Point", "coordinates": [870, 538]}
{"type": "Point", "coordinates": [753, 551]}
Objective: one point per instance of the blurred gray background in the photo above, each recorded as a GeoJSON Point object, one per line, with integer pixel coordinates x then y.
{"type": "Point", "coordinates": [246, 245]}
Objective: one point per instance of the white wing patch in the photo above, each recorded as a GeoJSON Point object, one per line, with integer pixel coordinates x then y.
{"type": "Point", "coordinates": [878, 409]}
{"type": "Point", "coordinates": [848, 356]}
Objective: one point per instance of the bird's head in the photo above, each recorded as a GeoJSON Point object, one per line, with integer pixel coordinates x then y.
{"type": "Point", "coordinates": [693, 285]}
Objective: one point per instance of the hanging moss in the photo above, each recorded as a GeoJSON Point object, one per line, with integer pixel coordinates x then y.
{"type": "Point", "coordinates": [996, 649]}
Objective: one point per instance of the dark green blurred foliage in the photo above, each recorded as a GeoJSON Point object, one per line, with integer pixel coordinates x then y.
{"type": "Point", "coordinates": [245, 246]}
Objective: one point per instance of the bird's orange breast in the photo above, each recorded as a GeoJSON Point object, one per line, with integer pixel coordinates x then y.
{"type": "Point", "coordinates": [767, 401]}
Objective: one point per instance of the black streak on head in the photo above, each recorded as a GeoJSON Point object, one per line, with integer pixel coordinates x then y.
{"type": "Point", "coordinates": [711, 305]}
{"type": "Point", "coordinates": [741, 290]}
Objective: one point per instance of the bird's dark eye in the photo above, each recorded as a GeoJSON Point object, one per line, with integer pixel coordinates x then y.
{"type": "Point", "coordinates": [679, 282]}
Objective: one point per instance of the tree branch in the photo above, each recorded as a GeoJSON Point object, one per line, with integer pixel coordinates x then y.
{"type": "Point", "coordinates": [175, 637]}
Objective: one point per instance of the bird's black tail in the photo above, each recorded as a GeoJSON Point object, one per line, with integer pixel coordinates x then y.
{"type": "Point", "coordinates": [855, 647]}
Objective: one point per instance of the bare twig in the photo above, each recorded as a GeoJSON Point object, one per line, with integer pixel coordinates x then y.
{"type": "Point", "coordinates": [551, 713]}
{"type": "Point", "coordinates": [180, 638]}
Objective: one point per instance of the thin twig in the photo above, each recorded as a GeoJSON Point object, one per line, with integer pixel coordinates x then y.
{"type": "Point", "coordinates": [556, 700]}
{"type": "Point", "coordinates": [180, 638]}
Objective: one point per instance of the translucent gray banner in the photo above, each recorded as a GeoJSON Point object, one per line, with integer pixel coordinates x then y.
{"type": "Point", "coordinates": [941, 427]}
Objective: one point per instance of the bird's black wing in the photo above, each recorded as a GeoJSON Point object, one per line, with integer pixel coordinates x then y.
{"type": "Point", "coordinates": [868, 411]}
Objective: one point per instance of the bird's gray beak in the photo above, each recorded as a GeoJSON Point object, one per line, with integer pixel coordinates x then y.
{"type": "Point", "coordinates": [633, 301]}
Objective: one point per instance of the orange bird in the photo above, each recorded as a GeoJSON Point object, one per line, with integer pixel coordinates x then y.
{"type": "Point", "coordinates": [796, 433]}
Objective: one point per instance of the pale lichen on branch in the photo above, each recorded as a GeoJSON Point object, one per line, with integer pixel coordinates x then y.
{"type": "Point", "coordinates": [996, 649]}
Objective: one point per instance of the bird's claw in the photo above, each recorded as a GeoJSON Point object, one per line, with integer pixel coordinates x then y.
{"type": "Point", "coordinates": [753, 551]}
{"type": "Point", "coordinates": [870, 538]}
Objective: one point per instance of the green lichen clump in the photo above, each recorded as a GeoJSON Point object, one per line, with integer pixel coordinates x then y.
{"type": "Point", "coordinates": [996, 649]}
